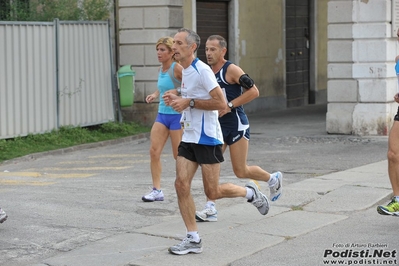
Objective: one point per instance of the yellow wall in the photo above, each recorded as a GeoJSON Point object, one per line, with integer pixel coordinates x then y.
{"type": "Point", "coordinates": [261, 31]}
{"type": "Point", "coordinates": [187, 11]}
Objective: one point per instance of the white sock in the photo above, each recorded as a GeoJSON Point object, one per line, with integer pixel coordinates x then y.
{"type": "Point", "coordinates": [273, 179]}
{"type": "Point", "coordinates": [250, 193]}
{"type": "Point", "coordinates": [210, 204]}
{"type": "Point", "coordinates": [195, 236]}
{"type": "Point", "coordinates": [397, 198]}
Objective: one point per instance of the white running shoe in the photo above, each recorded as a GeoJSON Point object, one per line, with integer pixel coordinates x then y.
{"type": "Point", "coordinates": [186, 246]}
{"type": "Point", "coordinates": [277, 189]}
{"type": "Point", "coordinates": [259, 200]}
{"type": "Point", "coordinates": [209, 214]}
{"type": "Point", "coordinates": [3, 216]}
{"type": "Point", "coordinates": [154, 195]}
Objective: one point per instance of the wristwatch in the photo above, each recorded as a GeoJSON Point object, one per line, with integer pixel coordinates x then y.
{"type": "Point", "coordinates": [192, 103]}
{"type": "Point", "coordinates": [230, 104]}
{"type": "Point", "coordinates": [178, 91]}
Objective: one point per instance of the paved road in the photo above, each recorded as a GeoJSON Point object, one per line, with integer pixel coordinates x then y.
{"type": "Point", "coordinates": [83, 207]}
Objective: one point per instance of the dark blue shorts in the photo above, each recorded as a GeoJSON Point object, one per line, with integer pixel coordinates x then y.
{"type": "Point", "coordinates": [396, 118]}
{"type": "Point", "coordinates": [232, 136]}
{"type": "Point", "coordinates": [202, 154]}
{"type": "Point", "coordinates": [233, 125]}
{"type": "Point", "coordinates": [170, 121]}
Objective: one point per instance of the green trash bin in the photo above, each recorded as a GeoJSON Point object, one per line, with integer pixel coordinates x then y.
{"type": "Point", "coordinates": [126, 85]}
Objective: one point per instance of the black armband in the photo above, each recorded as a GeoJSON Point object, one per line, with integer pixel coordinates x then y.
{"type": "Point", "coordinates": [246, 81]}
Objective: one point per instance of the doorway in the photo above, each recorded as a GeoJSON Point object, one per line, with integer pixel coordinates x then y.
{"type": "Point", "coordinates": [212, 19]}
{"type": "Point", "coordinates": [297, 52]}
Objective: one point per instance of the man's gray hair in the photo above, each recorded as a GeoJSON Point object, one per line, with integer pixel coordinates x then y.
{"type": "Point", "coordinates": [192, 37]}
{"type": "Point", "coordinates": [222, 41]}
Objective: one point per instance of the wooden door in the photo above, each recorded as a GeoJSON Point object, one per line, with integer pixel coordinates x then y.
{"type": "Point", "coordinates": [212, 18]}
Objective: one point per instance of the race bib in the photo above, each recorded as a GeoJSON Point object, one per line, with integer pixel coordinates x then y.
{"type": "Point", "coordinates": [185, 120]}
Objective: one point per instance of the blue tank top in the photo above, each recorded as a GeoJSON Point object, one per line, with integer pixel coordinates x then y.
{"type": "Point", "coordinates": [166, 81]}
{"type": "Point", "coordinates": [237, 119]}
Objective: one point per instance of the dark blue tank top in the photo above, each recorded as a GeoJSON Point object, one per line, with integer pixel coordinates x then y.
{"type": "Point", "coordinates": [237, 119]}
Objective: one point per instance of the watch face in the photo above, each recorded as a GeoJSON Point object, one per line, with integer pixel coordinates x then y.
{"type": "Point", "coordinates": [191, 103]}
{"type": "Point", "coordinates": [230, 104]}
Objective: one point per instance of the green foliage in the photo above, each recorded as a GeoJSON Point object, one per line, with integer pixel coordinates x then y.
{"type": "Point", "coordinates": [96, 9]}
{"type": "Point", "coordinates": [48, 10]}
{"type": "Point", "coordinates": [66, 137]}
{"type": "Point", "coordinates": [126, 128]}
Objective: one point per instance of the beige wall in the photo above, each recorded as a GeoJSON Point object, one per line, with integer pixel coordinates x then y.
{"type": "Point", "coordinates": [188, 14]}
{"type": "Point", "coordinates": [256, 45]}
{"type": "Point", "coordinates": [261, 44]}
{"type": "Point", "coordinates": [263, 56]}
{"type": "Point", "coordinates": [361, 73]}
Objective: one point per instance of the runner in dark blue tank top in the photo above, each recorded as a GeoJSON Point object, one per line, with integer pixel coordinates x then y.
{"type": "Point", "coordinates": [239, 89]}
{"type": "Point", "coordinates": [235, 123]}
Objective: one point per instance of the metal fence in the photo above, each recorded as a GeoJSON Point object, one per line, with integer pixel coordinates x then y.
{"type": "Point", "coordinates": [54, 74]}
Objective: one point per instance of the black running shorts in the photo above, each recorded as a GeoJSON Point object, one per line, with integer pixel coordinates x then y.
{"type": "Point", "coordinates": [396, 118]}
{"type": "Point", "coordinates": [202, 154]}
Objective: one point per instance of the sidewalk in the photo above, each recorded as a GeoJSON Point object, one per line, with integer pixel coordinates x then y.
{"type": "Point", "coordinates": [82, 206]}
{"type": "Point", "coordinates": [238, 232]}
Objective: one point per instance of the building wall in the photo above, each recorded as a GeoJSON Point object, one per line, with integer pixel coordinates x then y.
{"type": "Point", "coordinates": [361, 76]}
{"type": "Point", "coordinates": [140, 24]}
{"type": "Point", "coordinates": [256, 44]}
{"type": "Point", "coordinates": [261, 47]}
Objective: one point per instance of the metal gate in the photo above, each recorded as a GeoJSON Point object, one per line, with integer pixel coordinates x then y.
{"type": "Point", "coordinates": [54, 74]}
{"type": "Point", "coordinates": [297, 52]}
